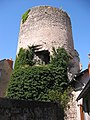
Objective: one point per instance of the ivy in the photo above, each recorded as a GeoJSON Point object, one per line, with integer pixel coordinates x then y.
{"type": "Point", "coordinates": [25, 16]}
{"type": "Point", "coordinates": [42, 82]}
{"type": "Point", "coordinates": [60, 58]}
{"type": "Point", "coordinates": [36, 82]}
{"type": "Point", "coordinates": [25, 57]}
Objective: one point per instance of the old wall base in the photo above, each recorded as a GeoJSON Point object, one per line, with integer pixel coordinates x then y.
{"type": "Point", "coordinates": [29, 110]}
{"type": "Point", "coordinates": [71, 110]}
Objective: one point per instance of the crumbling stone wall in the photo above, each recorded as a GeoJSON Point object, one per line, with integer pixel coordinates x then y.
{"type": "Point", "coordinates": [46, 26]}
{"type": "Point", "coordinates": [29, 110]}
{"type": "Point", "coordinates": [71, 110]}
{"type": "Point", "coordinates": [49, 27]}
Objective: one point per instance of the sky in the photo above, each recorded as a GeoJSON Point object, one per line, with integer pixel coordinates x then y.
{"type": "Point", "coordinates": [11, 12]}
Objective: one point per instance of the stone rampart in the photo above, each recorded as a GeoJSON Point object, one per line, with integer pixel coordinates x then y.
{"type": "Point", "coordinates": [29, 110]}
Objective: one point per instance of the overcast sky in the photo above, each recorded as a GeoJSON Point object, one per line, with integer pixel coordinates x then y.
{"type": "Point", "coordinates": [10, 16]}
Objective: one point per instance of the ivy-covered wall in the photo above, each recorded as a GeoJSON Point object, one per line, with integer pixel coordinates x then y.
{"type": "Point", "coordinates": [43, 82]}
{"type": "Point", "coordinates": [29, 110]}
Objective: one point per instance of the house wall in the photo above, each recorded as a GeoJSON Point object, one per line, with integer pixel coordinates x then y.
{"type": "Point", "coordinates": [73, 111]}
{"type": "Point", "coordinates": [78, 105]}
{"type": "Point", "coordinates": [73, 108]}
{"type": "Point", "coordinates": [5, 72]}
{"type": "Point", "coordinates": [79, 84]}
{"type": "Point", "coordinates": [86, 116]}
{"type": "Point", "coordinates": [86, 106]}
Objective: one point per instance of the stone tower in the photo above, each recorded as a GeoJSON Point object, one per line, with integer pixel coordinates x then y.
{"type": "Point", "coordinates": [48, 27]}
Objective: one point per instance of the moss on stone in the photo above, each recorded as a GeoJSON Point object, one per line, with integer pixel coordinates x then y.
{"type": "Point", "coordinates": [25, 16]}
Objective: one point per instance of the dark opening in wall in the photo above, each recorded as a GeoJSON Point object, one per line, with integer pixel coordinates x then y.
{"type": "Point", "coordinates": [42, 57]}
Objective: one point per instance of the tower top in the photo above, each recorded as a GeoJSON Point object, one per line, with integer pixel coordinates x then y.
{"type": "Point", "coordinates": [47, 27]}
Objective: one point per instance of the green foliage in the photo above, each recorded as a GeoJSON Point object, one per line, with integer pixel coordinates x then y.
{"type": "Point", "coordinates": [20, 59]}
{"type": "Point", "coordinates": [60, 58]}
{"type": "Point", "coordinates": [25, 16]}
{"type": "Point", "coordinates": [30, 56]}
{"type": "Point", "coordinates": [43, 83]}
{"type": "Point", "coordinates": [57, 96]}
{"type": "Point", "coordinates": [25, 57]}
{"type": "Point", "coordinates": [35, 82]}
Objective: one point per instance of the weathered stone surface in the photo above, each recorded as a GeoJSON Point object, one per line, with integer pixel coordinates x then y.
{"type": "Point", "coordinates": [49, 27]}
{"type": "Point", "coordinates": [46, 26]}
{"type": "Point", "coordinates": [29, 110]}
{"type": "Point", "coordinates": [71, 110]}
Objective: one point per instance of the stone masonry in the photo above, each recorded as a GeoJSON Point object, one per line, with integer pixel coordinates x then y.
{"type": "Point", "coordinates": [11, 109]}
{"type": "Point", "coordinates": [49, 27]}
{"type": "Point", "coordinates": [71, 110]}
{"type": "Point", "coordinates": [46, 26]}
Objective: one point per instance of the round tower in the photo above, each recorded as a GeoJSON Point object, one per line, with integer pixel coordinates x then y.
{"type": "Point", "coordinates": [48, 27]}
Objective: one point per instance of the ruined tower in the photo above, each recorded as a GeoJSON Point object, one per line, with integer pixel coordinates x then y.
{"type": "Point", "coordinates": [48, 27]}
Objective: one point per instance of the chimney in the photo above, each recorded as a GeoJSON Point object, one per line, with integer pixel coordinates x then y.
{"type": "Point", "coordinates": [10, 62]}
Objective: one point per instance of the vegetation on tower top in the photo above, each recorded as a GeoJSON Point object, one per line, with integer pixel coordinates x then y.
{"type": "Point", "coordinates": [25, 16]}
